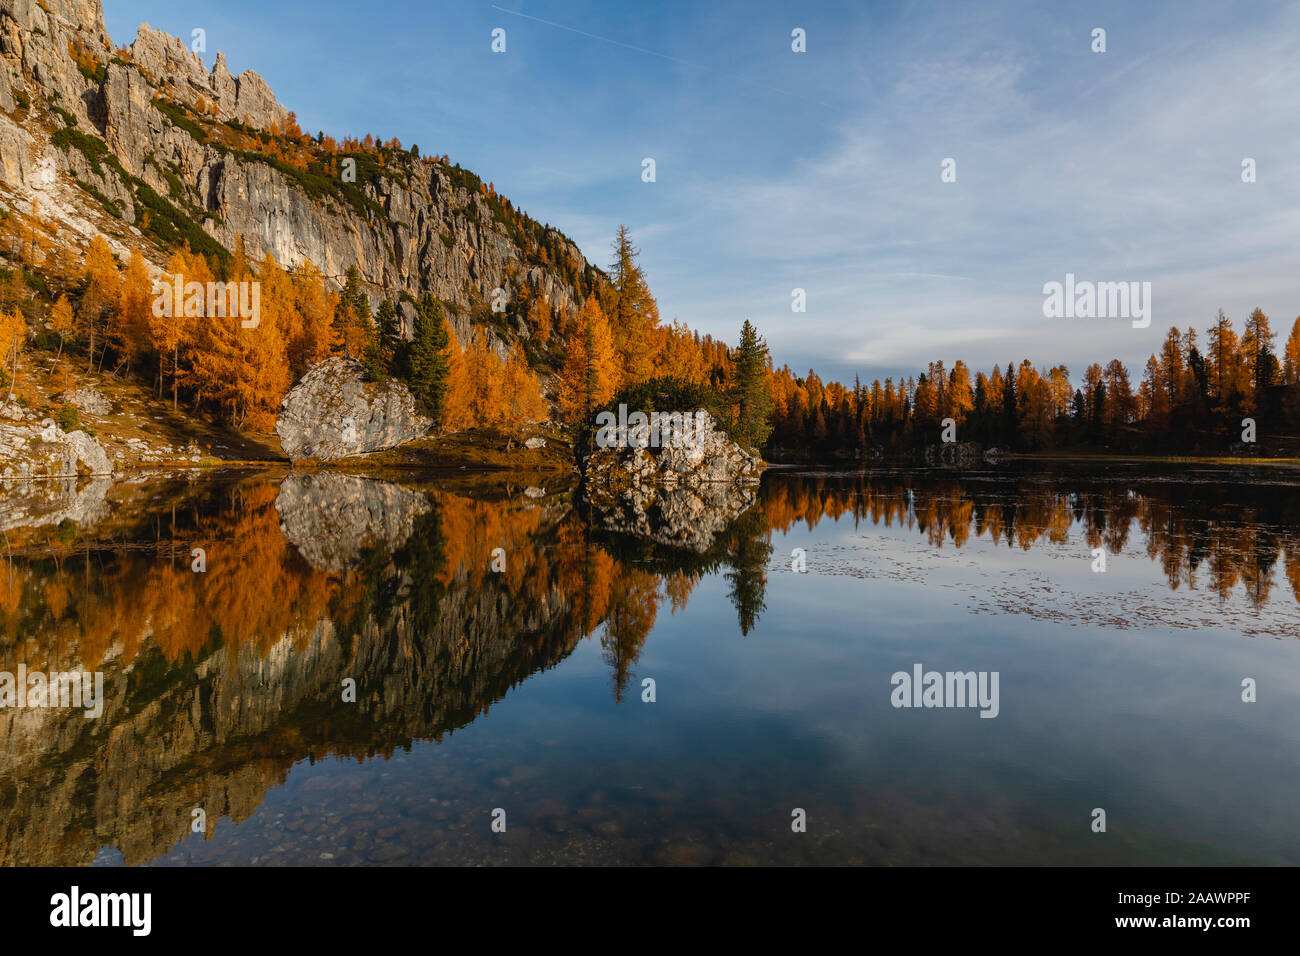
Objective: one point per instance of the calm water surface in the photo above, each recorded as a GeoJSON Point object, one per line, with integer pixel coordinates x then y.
{"type": "Point", "coordinates": [522, 689]}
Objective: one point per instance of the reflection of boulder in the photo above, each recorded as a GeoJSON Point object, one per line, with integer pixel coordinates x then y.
{"type": "Point", "coordinates": [688, 516]}
{"type": "Point", "coordinates": [28, 503]}
{"type": "Point", "coordinates": [40, 476]}
{"type": "Point", "coordinates": [332, 518]}
{"type": "Point", "coordinates": [333, 412]}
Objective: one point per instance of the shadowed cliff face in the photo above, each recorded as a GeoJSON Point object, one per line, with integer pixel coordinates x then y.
{"type": "Point", "coordinates": [217, 682]}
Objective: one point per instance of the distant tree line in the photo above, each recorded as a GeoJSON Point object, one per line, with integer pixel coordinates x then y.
{"type": "Point", "coordinates": [1193, 395]}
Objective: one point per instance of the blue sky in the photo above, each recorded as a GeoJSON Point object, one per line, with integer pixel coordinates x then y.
{"type": "Point", "coordinates": [821, 170]}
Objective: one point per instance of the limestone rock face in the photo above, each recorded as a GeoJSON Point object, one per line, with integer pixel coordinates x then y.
{"type": "Point", "coordinates": [333, 413]}
{"type": "Point", "coordinates": [47, 451]}
{"type": "Point", "coordinates": [419, 226]}
{"type": "Point", "coordinates": [167, 60]}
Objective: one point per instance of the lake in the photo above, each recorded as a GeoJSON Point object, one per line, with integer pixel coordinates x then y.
{"type": "Point", "coordinates": [327, 669]}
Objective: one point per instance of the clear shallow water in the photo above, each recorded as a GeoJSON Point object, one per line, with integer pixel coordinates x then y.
{"type": "Point", "coordinates": [522, 690]}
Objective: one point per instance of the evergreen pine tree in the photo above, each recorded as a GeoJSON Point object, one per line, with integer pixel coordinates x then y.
{"type": "Point", "coordinates": [748, 389]}
{"type": "Point", "coordinates": [429, 357]}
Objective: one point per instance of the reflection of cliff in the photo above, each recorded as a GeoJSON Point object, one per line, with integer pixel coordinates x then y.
{"type": "Point", "coordinates": [217, 682]}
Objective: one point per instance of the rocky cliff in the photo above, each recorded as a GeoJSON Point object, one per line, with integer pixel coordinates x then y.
{"type": "Point", "coordinates": [147, 146]}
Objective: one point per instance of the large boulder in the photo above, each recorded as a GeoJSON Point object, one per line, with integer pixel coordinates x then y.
{"type": "Point", "coordinates": [47, 451]}
{"type": "Point", "coordinates": [333, 413]}
{"type": "Point", "coordinates": [703, 455]}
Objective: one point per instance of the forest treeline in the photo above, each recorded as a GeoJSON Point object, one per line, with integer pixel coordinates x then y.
{"type": "Point", "coordinates": [1196, 387]}
{"type": "Point", "coordinates": [97, 315]}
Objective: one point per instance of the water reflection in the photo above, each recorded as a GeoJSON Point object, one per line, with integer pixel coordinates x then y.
{"type": "Point", "coordinates": [437, 604]}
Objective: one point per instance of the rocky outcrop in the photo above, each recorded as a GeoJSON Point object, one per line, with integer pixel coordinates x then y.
{"type": "Point", "coordinates": [693, 456]}
{"type": "Point", "coordinates": [332, 519]}
{"type": "Point", "coordinates": [47, 451]}
{"type": "Point", "coordinates": [682, 489]}
{"type": "Point", "coordinates": [88, 400]}
{"type": "Point", "coordinates": [167, 61]}
{"type": "Point", "coordinates": [333, 413]}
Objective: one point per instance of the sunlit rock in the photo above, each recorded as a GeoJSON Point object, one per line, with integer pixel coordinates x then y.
{"type": "Point", "coordinates": [333, 413]}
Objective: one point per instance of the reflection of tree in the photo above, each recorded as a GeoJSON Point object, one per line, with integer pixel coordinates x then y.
{"type": "Point", "coordinates": [1187, 527]}
{"type": "Point", "coordinates": [634, 606]}
{"type": "Point", "coordinates": [435, 637]}
{"type": "Point", "coordinates": [750, 550]}
{"type": "Point", "coordinates": [414, 593]}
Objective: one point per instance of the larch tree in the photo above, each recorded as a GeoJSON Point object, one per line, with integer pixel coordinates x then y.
{"type": "Point", "coordinates": [1172, 367]}
{"type": "Point", "coordinates": [521, 390]}
{"type": "Point", "coordinates": [1228, 376]}
{"type": "Point", "coordinates": [1291, 365]}
{"type": "Point", "coordinates": [13, 337]}
{"type": "Point", "coordinates": [100, 295]}
{"type": "Point", "coordinates": [1257, 356]}
{"type": "Point", "coordinates": [129, 332]}
{"type": "Point", "coordinates": [312, 338]}
{"type": "Point", "coordinates": [166, 332]}
{"type": "Point", "coordinates": [62, 322]}
{"type": "Point", "coordinates": [590, 374]}
{"type": "Point", "coordinates": [539, 320]}
{"type": "Point", "coordinates": [263, 375]}
{"type": "Point", "coordinates": [633, 314]}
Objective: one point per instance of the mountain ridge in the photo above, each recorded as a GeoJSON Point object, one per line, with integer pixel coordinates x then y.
{"type": "Point", "coordinates": [148, 147]}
